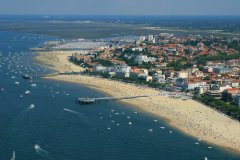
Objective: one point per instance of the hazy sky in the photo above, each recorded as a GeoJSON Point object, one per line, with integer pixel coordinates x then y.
{"type": "Point", "coordinates": [121, 7]}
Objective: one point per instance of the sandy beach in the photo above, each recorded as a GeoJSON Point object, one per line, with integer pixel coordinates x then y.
{"type": "Point", "coordinates": [188, 116]}
{"type": "Point", "coordinates": [57, 60]}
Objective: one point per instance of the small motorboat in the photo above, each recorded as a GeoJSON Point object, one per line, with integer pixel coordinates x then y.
{"type": "Point", "coordinates": [27, 92]}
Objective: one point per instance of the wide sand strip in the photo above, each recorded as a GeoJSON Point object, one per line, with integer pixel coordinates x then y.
{"type": "Point", "coordinates": [58, 60]}
{"type": "Point", "coordinates": [191, 117]}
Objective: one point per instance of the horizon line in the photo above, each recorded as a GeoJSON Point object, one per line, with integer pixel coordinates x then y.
{"type": "Point", "coordinates": [117, 15]}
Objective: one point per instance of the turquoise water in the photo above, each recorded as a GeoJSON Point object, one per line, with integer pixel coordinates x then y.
{"type": "Point", "coordinates": [57, 128]}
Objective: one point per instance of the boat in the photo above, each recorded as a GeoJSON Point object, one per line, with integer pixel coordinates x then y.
{"type": "Point", "coordinates": [31, 106]}
{"type": "Point", "coordinates": [26, 76]}
{"type": "Point", "coordinates": [33, 85]}
{"type": "Point", "coordinates": [27, 92]}
{"type": "Point", "coordinates": [36, 146]}
{"type": "Point", "coordinates": [150, 130]}
{"type": "Point", "coordinates": [17, 83]}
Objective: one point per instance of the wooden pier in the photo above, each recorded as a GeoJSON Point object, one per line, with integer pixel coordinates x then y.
{"type": "Point", "coordinates": [26, 76]}
{"type": "Point", "coordinates": [100, 99]}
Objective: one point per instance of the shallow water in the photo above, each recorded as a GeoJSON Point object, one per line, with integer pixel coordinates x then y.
{"type": "Point", "coordinates": [58, 128]}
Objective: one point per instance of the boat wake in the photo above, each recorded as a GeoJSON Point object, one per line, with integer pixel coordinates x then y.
{"type": "Point", "coordinates": [73, 112]}
{"type": "Point", "coordinates": [80, 115]}
{"type": "Point", "coordinates": [13, 156]}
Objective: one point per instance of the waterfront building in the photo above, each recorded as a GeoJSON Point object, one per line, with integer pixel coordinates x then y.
{"type": "Point", "coordinates": [159, 78]}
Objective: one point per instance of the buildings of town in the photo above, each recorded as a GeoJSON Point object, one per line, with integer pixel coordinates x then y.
{"type": "Point", "coordinates": [192, 63]}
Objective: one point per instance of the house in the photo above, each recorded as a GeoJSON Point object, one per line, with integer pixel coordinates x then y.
{"type": "Point", "coordinates": [136, 73]}
{"type": "Point", "coordinates": [181, 82]}
{"type": "Point", "coordinates": [140, 59]}
{"type": "Point", "coordinates": [137, 49]}
{"type": "Point", "coordinates": [201, 89]}
{"type": "Point", "coordinates": [99, 68]}
{"type": "Point", "coordinates": [159, 78]}
{"type": "Point", "coordinates": [149, 78]}
{"type": "Point", "coordinates": [193, 85]}
{"type": "Point", "coordinates": [184, 83]}
{"type": "Point", "coordinates": [182, 74]}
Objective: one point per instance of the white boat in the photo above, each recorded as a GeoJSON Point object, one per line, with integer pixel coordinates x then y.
{"type": "Point", "coordinates": [37, 146]}
{"type": "Point", "coordinates": [17, 83]}
{"type": "Point", "coordinates": [205, 158]}
{"type": "Point", "coordinates": [32, 106]}
{"type": "Point", "coordinates": [27, 92]}
{"type": "Point", "coordinates": [33, 85]}
{"type": "Point", "coordinates": [150, 130]}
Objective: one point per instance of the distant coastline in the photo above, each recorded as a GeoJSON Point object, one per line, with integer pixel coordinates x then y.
{"type": "Point", "coordinates": [106, 26]}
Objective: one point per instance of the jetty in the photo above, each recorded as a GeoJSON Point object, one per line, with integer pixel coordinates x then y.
{"type": "Point", "coordinates": [26, 76]}
{"type": "Point", "coordinates": [94, 100]}
{"type": "Point", "coordinates": [105, 99]}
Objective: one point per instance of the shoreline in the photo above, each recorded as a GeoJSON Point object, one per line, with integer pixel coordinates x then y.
{"type": "Point", "coordinates": [188, 116]}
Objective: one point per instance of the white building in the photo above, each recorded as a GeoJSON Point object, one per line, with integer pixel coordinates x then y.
{"type": "Point", "coordinates": [142, 58]}
{"type": "Point", "coordinates": [182, 74]}
{"type": "Point", "coordinates": [137, 49]}
{"type": "Point", "coordinates": [150, 38]}
{"type": "Point", "coordinates": [142, 38]}
{"type": "Point", "coordinates": [193, 85]}
{"type": "Point", "coordinates": [99, 68]}
{"type": "Point", "coordinates": [159, 78]}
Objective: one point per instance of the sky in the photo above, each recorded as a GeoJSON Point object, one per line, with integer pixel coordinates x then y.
{"type": "Point", "coordinates": [120, 7]}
